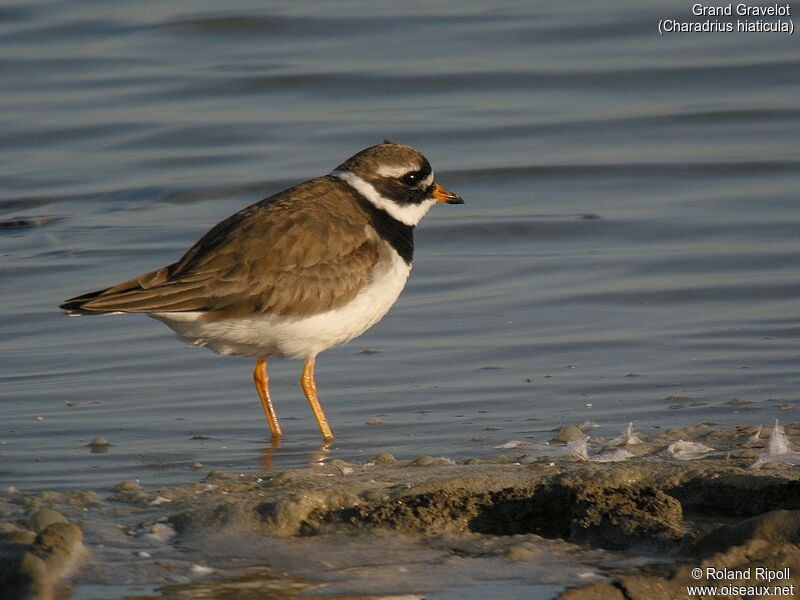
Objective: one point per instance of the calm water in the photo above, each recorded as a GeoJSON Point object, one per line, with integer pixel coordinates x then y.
{"type": "Point", "coordinates": [629, 249]}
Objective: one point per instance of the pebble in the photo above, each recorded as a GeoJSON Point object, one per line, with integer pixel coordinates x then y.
{"type": "Point", "coordinates": [40, 519]}
{"type": "Point", "coordinates": [81, 498]}
{"type": "Point", "coordinates": [567, 434]}
{"type": "Point", "coordinates": [158, 501]}
{"type": "Point", "coordinates": [55, 555]}
{"type": "Point", "coordinates": [159, 532]}
{"type": "Point", "coordinates": [127, 486]}
{"type": "Point", "coordinates": [738, 402]}
{"type": "Point", "coordinates": [524, 552]}
{"type": "Point", "coordinates": [342, 467]}
{"type": "Point", "coordinates": [201, 570]}
{"type": "Point", "coordinates": [384, 458]}
{"type": "Point", "coordinates": [372, 495]}
{"type": "Point", "coordinates": [11, 534]}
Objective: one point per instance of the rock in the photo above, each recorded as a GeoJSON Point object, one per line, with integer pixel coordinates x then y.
{"type": "Point", "coordinates": [639, 587]}
{"type": "Point", "coordinates": [128, 486]}
{"type": "Point", "coordinates": [567, 434]}
{"type": "Point", "coordinates": [131, 492]}
{"type": "Point", "coordinates": [342, 467]}
{"type": "Point", "coordinates": [372, 496]}
{"type": "Point", "coordinates": [384, 458]}
{"type": "Point", "coordinates": [38, 520]}
{"type": "Point", "coordinates": [11, 534]}
{"type": "Point", "coordinates": [60, 545]}
{"type": "Point", "coordinates": [768, 541]}
{"type": "Point", "coordinates": [595, 591]}
{"type": "Point", "coordinates": [37, 571]}
{"type": "Point", "coordinates": [775, 527]}
{"type": "Point", "coordinates": [619, 518]}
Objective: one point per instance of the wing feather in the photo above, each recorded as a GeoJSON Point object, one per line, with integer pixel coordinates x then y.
{"type": "Point", "coordinates": [303, 251]}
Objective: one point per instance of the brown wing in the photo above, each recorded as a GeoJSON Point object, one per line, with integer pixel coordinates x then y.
{"type": "Point", "coordinates": [296, 253]}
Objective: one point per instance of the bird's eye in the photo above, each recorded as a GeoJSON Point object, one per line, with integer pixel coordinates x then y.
{"type": "Point", "coordinates": [410, 179]}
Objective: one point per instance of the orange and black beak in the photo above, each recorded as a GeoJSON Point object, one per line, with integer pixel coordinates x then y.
{"type": "Point", "coordinates": [444, 196]}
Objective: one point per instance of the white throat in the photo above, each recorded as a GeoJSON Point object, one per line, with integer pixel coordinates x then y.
{"type": "Point", "coordinates": [408, 214]}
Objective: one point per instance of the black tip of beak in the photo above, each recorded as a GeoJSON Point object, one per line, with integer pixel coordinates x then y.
{"type": "Point", "coordinates": [446, 196]}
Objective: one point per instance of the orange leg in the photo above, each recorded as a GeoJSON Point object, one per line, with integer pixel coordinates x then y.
{"type": "Point", "coordinates": [262, 387]}
{"type": "Point", "coordinates": [310, 391]}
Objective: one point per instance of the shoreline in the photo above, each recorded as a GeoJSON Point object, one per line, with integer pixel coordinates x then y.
{"type": "Point", "coordinates": [621, 518]}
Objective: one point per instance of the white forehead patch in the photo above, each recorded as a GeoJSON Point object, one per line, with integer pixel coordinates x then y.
{"type": "Point", "coordinates": [396, 171]}
{"type": "Point", "coordinates": [408, 214]}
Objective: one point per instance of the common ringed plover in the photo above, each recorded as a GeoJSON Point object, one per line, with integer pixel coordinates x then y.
{"type": "Point", "coordinates": [307, 269]}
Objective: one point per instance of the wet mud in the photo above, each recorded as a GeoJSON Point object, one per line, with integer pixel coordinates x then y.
{"type": "Point", "coordinates": [574, 525]}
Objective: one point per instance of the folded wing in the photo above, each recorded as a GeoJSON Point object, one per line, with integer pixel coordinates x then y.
{"type": "Point", "coordinates": [266, 258]}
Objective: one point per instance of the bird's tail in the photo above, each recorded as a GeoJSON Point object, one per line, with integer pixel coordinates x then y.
{"type": "Point", "coordinates": [148, 293]}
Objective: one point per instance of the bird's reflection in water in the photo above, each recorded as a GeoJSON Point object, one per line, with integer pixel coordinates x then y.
{"type": "Point", "coordinates": [270, 454]}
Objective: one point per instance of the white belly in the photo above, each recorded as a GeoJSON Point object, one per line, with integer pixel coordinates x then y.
{"type": "Point", "coordinates": [269, 335]}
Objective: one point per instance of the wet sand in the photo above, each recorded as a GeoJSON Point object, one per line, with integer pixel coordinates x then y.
{"type": "Point", "coordinates": [623, 518]}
